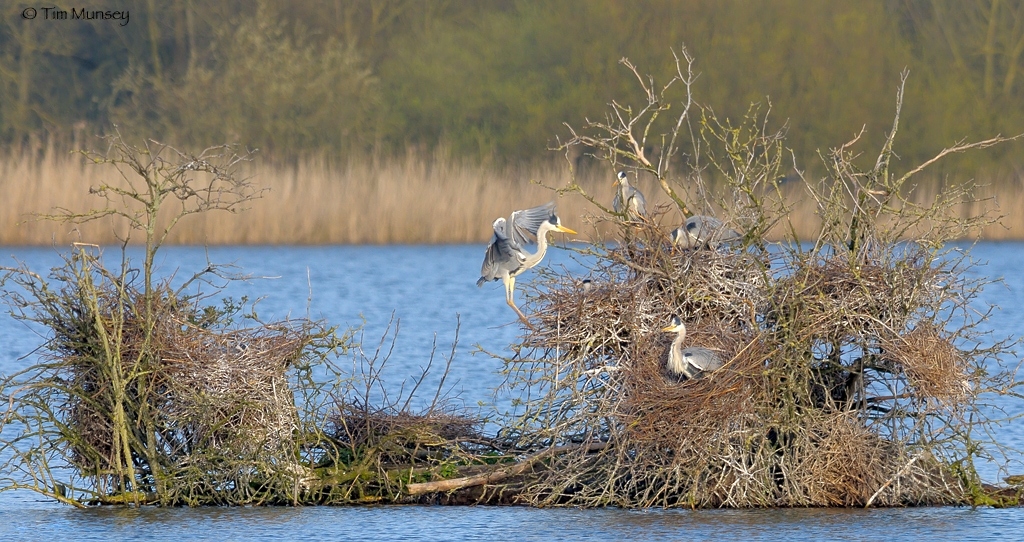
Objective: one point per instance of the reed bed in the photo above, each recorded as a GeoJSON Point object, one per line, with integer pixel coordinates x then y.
{"type": "Point", "coordinates": [409, 200]}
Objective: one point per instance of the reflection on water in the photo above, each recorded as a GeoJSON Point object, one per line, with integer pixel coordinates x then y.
{"type": "Point", "coordinates": [428, 288]}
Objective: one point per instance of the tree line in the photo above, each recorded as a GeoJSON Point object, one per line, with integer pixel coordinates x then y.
{"type": "Point", "coordinates": [494, 80]}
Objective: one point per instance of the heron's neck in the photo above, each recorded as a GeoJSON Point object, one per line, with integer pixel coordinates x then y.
{"type": "Point", "coordinates": [623, 190]}
{"type": "Point", "coordinates": [542, 245]}
{"type": "Point", "coordinates": [676, 359]}
{"type": "Point", "coordinates": [680, 337]}
{"type": "Point", "coordinates": [676, 363]}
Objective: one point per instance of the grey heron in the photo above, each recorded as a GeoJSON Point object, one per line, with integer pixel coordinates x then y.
{"type": "Point", "coordinates": [700, 230]}
{"type": "Point", "coordinates": [689, 362]}
{"type": "Point", "coordinates": [506, 257]}
{"type": "Point", "coordinates": [628, 199]}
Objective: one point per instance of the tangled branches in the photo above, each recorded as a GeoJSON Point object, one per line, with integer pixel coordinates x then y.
{"type": "Point", "coordinates": [850, 366]}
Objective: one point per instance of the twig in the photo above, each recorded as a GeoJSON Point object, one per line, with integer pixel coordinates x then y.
{"type": "Point", "coordinates": [501, 474]}
{"type": "Point", "coordinates": [891, 480]}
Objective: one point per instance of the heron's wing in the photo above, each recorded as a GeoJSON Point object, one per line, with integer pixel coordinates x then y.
{"type": "Point", "coordinates": [499, 251]}
{"type": "Point", "coordinates": [700, 227]}
{"type": "Point", "coordinates": [702, 359]}
{"type": "Point", "coordinates": [709, 228]}
{"type": "Point", "coordinates": [499, 228]}
{"type": "Point", "coordinates": [641, 202]}
{"type": "Point", "coordinates": [523, 225]}
{"type": "Point", "coordinates": [499, 256]}
{"type": "Point", "coordinates": [729, 234]}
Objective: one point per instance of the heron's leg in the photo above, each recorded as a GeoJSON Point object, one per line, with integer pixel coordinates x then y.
{"type": "Point", "coordinates": [510, 287]}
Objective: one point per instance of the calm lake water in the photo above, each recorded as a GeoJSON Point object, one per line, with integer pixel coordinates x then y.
{"type": "Point", "coordinates": [429, 290]}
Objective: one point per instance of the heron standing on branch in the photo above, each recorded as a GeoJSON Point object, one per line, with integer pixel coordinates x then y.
{"type": "Point", "coordinates": [699, 230]}
{"type": "Point", "coordinates": [689, 362]}
{"type": "Point", "coordinates": [628, 199]}
{"type": "Point", "coordinates": [506, 257]}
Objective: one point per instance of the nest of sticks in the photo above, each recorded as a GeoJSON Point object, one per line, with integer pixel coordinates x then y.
{"type": "Point", "coordinates": [218, 398]}
{"type": "Point", "coordinates": [837, 296]}
{"type": "Point", "coordinates": [397, 433]}
{"type": "Point", "coordinates": [791, 419]}
{"type": "Point", "coordinates": [227, 390]}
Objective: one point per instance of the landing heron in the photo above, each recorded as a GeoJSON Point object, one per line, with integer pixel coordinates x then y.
{"type": "Point", "coordinates": [506, 257]}
{"type": "Point", "coordinates": [700, 230]}
{"type": "Point", "coordinates": [628, 199]}
{"type": "Point", "coordinates": [689, 362]}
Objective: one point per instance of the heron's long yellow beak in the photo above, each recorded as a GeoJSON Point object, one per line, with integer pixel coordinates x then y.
{"type": "Point", "coordinates": [669, 328]}
{"type": "Point", "coordinates": [563, 229]}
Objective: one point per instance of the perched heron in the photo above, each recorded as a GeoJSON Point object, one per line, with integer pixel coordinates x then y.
{"type": "Point", "coordinates": [628, 199]}
{"type": "Point", "coordinates": [506, 257]}
{"type": "Point", "coordinates": [702, 230]}
{"type": "Point", "coordinates": [689, 362]}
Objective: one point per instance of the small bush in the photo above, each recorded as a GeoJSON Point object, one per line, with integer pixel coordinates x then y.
{"type": "Point", "coordinates": [149, 394]}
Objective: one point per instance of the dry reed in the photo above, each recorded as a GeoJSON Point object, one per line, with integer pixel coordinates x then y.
{"type": "Point", "coordinates": [410, 199]}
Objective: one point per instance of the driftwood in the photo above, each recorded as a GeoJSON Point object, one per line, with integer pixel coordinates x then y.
{"type": "Point", "coordinates": [499, 475]}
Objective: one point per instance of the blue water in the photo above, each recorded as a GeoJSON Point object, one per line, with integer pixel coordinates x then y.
{"type": "Point", "coordinates": [508, 523]}
{"type": "Point", "coordinates": [429, 290]}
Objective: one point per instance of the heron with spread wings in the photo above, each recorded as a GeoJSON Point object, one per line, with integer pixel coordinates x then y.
{"type": "Point", "coordinates": [506, 257]}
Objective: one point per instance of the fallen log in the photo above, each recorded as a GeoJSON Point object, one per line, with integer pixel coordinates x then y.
{"type": "Point", "coordinates": [498, 475]}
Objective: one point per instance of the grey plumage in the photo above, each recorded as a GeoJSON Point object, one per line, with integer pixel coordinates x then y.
{"type": "Point", "coordinates": [700, 230]}
{"type": "Point", "coordinates": [690, 362]}
{"type": "Point", "coordinates": [628, 199]}
{"type": "Point", "coordinates": [506, 256]}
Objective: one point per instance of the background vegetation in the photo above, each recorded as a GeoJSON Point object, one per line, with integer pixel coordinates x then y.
{"type": "Point", "coordinates": [496, 79]}
{"type": "Point", "coordinates": [422, 108]}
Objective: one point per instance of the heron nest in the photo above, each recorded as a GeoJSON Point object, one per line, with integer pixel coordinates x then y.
{"type": "Point", "coordinates": [218, 401]}
{"type": "Point", "coordinates": [229, 389]}
{"type": "Point", "coordinates": [402, 437]}
{"type": "Point", "coordinates": [830, 365]}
